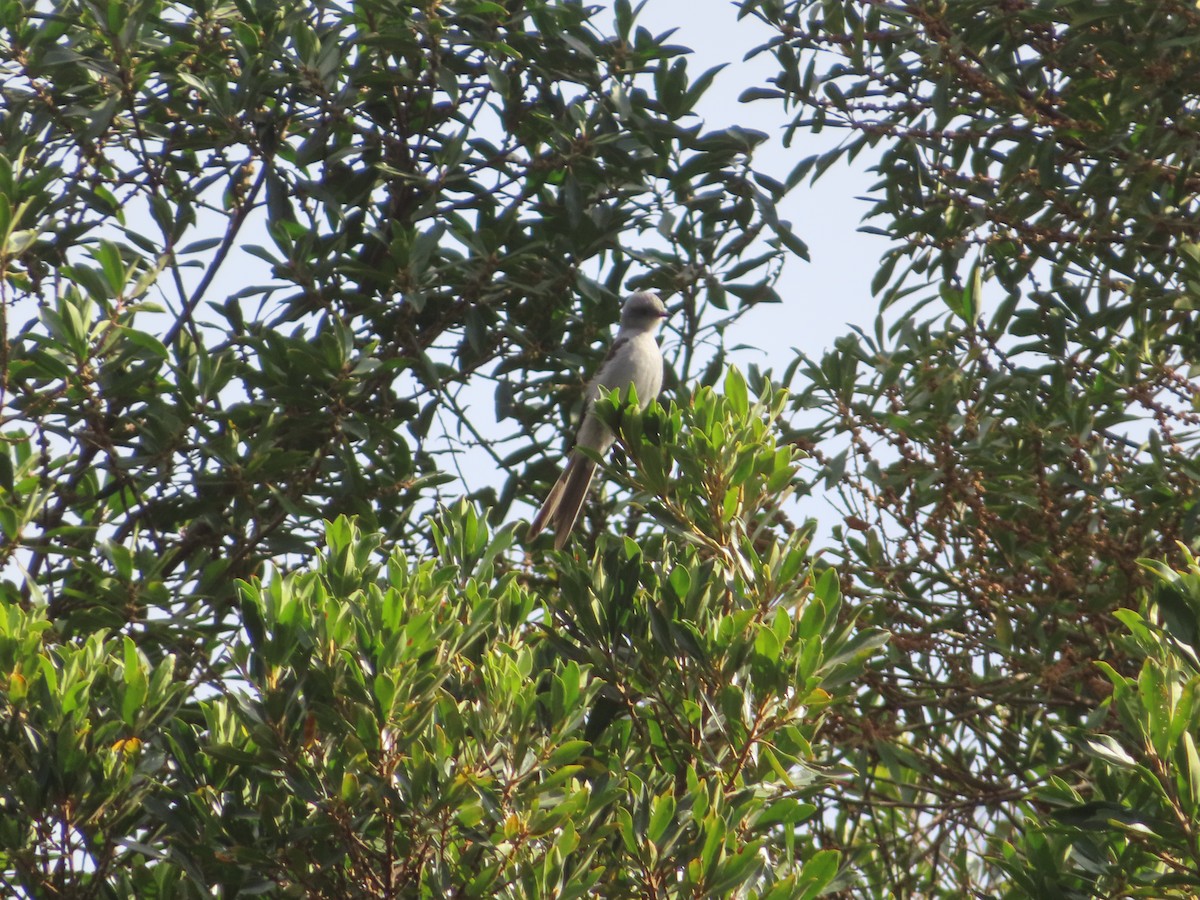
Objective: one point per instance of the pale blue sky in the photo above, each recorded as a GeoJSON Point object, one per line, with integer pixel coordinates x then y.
{"type": "Point", "coordinates": [820, 297]}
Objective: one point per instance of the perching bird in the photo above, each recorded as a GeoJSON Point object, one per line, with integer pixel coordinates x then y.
{"type": "Point", "coordinates": [634, 359]}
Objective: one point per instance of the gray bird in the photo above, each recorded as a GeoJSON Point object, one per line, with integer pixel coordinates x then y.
{"type": "Point", "coordinates": [634, 359]}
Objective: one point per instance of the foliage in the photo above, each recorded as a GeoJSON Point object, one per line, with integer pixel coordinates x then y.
{"type": "Point", "coordinates": [82, 756]}
{"type": "Point", "coordinates": [1001, 466]}
{"type": "Point", "coordinates": [1132, 831]}
{"type": "Point", "coordinates": [404, 727]}
{"type": "Point", "coordinates": [260, 262]}
{"type": "Point", "coordinates": [256, 258]}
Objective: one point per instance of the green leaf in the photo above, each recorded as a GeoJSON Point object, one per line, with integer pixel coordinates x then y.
{"type": "Point", "coordinates": [109, 257]}
{"type": "Point", "coordinates": [1192, 772]}
{"type": "Point", "coordinates": [818, 873]}
{"type": "Point", "coordinates": [567, 752]}
{"type": "Point", "coordinates": [735, 391]}
{"type": "Point", "coordinates": [662, 814]}
{"type": "Point", "coordinates": [135, 684]}
{"type": "Point", "coordinates": [681, 582]}
{"type": "Point", "coordinates": [1107, 749]}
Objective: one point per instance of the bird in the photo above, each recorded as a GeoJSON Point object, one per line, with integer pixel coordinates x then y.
{"type": "Point", "coordinates": [634, 359]}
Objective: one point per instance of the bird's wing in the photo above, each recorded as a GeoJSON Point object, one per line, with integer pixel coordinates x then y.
{"type": "Point", "coordinates": [609, 374]}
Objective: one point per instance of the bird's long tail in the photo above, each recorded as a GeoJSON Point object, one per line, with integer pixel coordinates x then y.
{"type": "Point", "coordinates": [562, 506]}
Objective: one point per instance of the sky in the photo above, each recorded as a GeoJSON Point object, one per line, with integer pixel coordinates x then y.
{"type": "Point", "coordinates": [821, 296]}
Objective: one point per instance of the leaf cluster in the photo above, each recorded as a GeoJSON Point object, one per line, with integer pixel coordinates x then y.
{"type": "Point", "coordinates": [1018, 427]}
{"type": "Point", "coordinates": [1130, 829]}
{"type": "Point", "coordinates": [256, 260]}
{"type": "Point", "coordinates": [641, 722]}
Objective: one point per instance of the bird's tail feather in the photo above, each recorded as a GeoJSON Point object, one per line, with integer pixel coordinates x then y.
{"type": "Point", "coordinates": [565, 500]}
{"type": "Point", "coordinates": [575, 481]}
{"type": "Point", "coordinates": [550, 504]}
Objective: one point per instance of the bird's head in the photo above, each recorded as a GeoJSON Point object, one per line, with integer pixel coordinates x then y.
{"type": "Point", "coordinates": [642, 311]}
